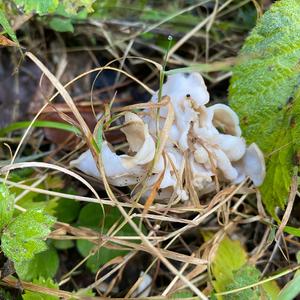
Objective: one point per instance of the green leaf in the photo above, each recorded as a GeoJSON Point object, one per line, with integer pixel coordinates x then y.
{"type": "Point", "coordinates": [244, 276]}
{"type": "Point", "coordinates": [72, 6]}
{"type": "Point", "coordinates": [63, 244]}
{"type": "Point", "coordinates": [271, 289]}
{"type": "Point", "coordinates": [230, 257]}
{"type": "Point", "coordinates": [44, 264]}
{"type": "Point", "coordinates": [29, 295]}
{"type": "Point", "coordinates": [39, 124]}
{"type": "Point", "coordinates": [24, 237]}
{"type": "Point", "coordinates": [7, 201]}
{"type": "Point", "coordinates": [291, 290]}
{"type": "Point", "coordinates": [84, 292]}
{"type": "Point", "coordinates": [5, 295]}
{"type": "Point", "coordinates": [61, 24]}
{"type": "Point", "coordinates": [91, 216]}
{"type": "Point", "coordinates": [99, 139]}
{"type": "Point", "coordinates": [67, 210]}
{"type": "Point", "coordinates": [40, 7]}
{"type": "Point", "coordinates": [7, 27]}
{"type": "Point", "coordinates": [264, 91]}
{"type": "Point", "coordinates": [292, 230]}
{"type": "Point", "coordinates": [182, 294]}
{"type": "Point", "coordinates": [231, 271]}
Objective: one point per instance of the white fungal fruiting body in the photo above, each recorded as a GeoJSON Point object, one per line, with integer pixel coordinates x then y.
{"type": "Point", "coordinates": [203, 143]}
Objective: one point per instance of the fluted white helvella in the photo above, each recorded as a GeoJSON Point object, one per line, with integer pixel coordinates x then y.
{"type": "Point", "coordinates": [204, 145]}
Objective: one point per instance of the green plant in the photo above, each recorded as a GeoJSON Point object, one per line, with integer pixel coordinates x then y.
{"type": "Point", "coordinates": [265, 92]}
{"type": "Point", "coordinates": [91, 216]}
{"type": "Point", "coordinates": [22, 237]}
{"type": "Point", "coordinates": [63, 13]}
{"type": "Point", "coordinates": [231, 271]}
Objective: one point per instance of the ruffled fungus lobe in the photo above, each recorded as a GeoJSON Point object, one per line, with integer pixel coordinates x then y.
{"type": "Point", "coordinates": [203, 143]}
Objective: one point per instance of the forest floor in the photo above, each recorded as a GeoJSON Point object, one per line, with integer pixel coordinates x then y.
{"type": "Point", "coordinates": [227, 242]}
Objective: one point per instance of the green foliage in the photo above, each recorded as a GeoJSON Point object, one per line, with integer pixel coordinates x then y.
{"type": "Point", "coordinates": [292, 230]}
{"type": "Point", "coordinates": [23, 237]}
{"type": "Point", "coordinates": [63, 244]}
{"type": "Point", "coordinates": [270, 290]}
{"type": "Point", "coordinates": [29, 295]}
{"type": "Point", "coordinates": [182, 294]}
{"type": "Point", "coordinates": [5, 295]}
{"type": "Point", "coordinates": [67, 210]}
{"type": "Point", "coordinates": [7, 27]}
{"type": "Point", "coordinates": [21, 174]}
{"type": "Point", "coordinates": [244, 276]}
{"type": "Point", "coordinates": [292, 289]}
{"type": "Point", "coordinates": [64, 13]}
{"type": "Point", "coordinates": [61, 24]}
{"type": "Point", "coordinates": [6, 206]}
{"type": "Point", "coordinates": [91, 216]}
{"type": "Point", "coordinates": [39, 124]}
{"type": "Point", "coordinates": [73, 6]}
{"type": "Point", "coordinates": [39, 7]}
{"type": "Point", "coordinates": [64, 19]}
{"type": "Point", "coordinates": [44, 264]}
{"type": "Point", "coordinates": [264, 91]}
{"type": "Point", "coordinates": [230, 270]}
{"type": "Point", "coordinates": [84, 292]}
{"type": "Point", "coordinates": [50, 6]}
{"type": "Point", "coordinates": [230, 257]}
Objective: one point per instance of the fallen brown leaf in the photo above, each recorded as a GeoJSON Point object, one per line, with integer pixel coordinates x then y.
{"type": "Point", "coordinates": [4, 41]}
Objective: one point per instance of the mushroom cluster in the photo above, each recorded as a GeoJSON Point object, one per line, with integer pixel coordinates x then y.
{"type": "Point", "coordinates": [203, 148]}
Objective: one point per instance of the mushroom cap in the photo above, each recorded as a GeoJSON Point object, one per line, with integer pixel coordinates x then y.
{"type": "Point", "coordinates": [234, 147]}
{"type": "Point", "coordinates": [139, 140]}
{"type": "Point", "coordinates": [225, 119]}
{"type": "Point", "coordinates": [186, 92]}
{"type": "Point", "coordinates": [224, 165]}
{"type": "Point", "coordinates": [144, 288]}
{"type": "Point", "coordinates": [254, 164]}
{"type": "Point", "coordinates": [122, 170]}
{"type": "Point", "coordinates": [116, 173]}
{"type": "Point", "coordinates": [86, 163]}
{"type": "Point", "coordinates": [185, 85]}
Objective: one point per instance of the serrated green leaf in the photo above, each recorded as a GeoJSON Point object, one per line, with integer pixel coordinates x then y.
{"type": "Point", "coordinates": [91, 216]}
{"type": "Point", "coordinates": [264, 91]}
{"type": "Point", "coordinates": [246, 275]}
{"type": "Point", "coordinates": [7, 27]}
{"type": "Point", "coordinates": [29, 295]}
{"type": "Point", "coordinates": [230, 270]}
{"type": "Point", "coordinates": [7, 201]}
{"type": "Point", "coordinates": [44, 264]}
{"type": "Point", "coordinates": [24, 237]}
{"type": "Point", "coordinates": [40, 7]}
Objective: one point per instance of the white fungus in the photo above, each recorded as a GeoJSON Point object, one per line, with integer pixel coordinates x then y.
{"type": "Point", "coordinates": [144, 288]}
{"type": "Point", "coordinates": [203, 144]}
